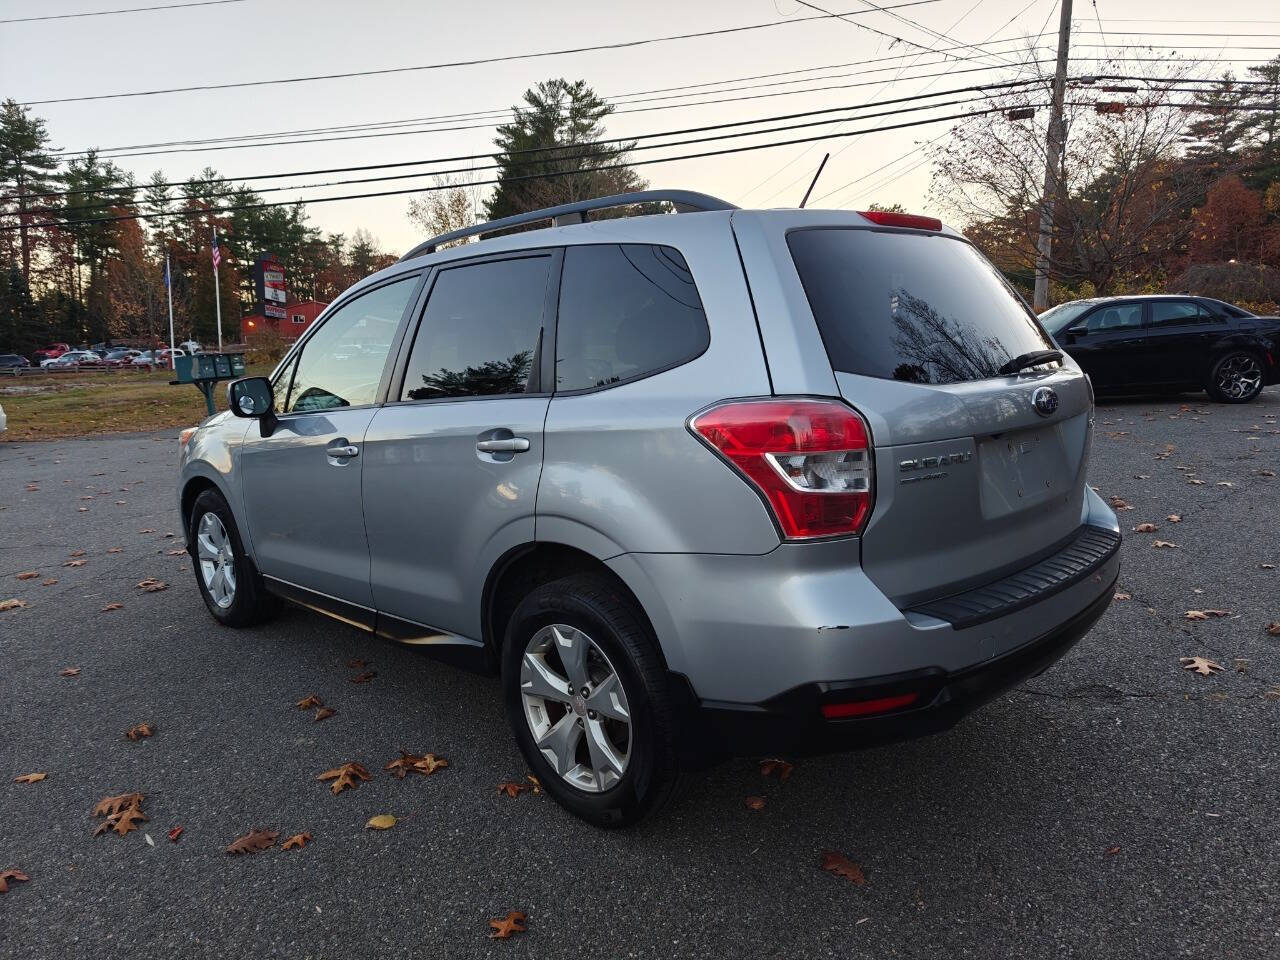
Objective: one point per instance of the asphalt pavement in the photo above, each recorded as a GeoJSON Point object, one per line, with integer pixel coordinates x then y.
{"type": "Point", "coordinates": [1117, 806]}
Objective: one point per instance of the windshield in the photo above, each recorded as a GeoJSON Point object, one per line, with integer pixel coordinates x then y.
{"type": "Point", "coordinates": [1056, 319]}
{"type": "Point", "coordinates": [924, 308]}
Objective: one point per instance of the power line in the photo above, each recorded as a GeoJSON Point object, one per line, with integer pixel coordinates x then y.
{"type": "Point", "coordinates": [107, 13]}
{"type": "Point", "coordinates": [538, 176]}
{"type": "Point", "coordinates": [616, 45]}
{"type": "Point", "coordinates": [622, 142]}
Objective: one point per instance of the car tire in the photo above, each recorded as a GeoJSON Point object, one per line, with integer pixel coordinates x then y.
{"type": "Point", "coordinates": [1236, 377]}
{"type": "Point", "coordinates": [560, 616]}
{"type": "Point", "coordinates": [227, 579]}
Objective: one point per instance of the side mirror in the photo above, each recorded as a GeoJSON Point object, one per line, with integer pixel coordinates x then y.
{"type": "Point", "coordinates": [1079, 330]}
{"type": "Point", "coordinates": [252, 397]}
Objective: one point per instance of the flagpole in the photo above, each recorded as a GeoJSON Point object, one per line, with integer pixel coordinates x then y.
{"type": "Point", "coordinates": [168, 285]}
{"type": "Point", "coordinates": [217, 293]}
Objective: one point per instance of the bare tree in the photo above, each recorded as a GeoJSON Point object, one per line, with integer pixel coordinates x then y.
{"type": "Point", "coordinates": [451, 207]}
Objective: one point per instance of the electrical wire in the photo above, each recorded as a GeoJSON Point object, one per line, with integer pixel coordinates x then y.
{"type": "Point", "coordinates": [108, 13]}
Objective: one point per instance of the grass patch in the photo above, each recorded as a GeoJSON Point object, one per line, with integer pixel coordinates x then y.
{"type": "Point", "coordinates": [87, 404]}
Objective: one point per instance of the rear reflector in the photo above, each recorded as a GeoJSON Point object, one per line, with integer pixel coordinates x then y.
{"type": "Point", "coordinates": [862, 708]}
{"type": "Point", "coordinates": [809, 459]}
{"type": "Point", "coordinates": [888, 218]}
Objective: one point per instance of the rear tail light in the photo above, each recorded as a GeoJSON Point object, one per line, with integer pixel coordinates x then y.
{"type": "Point", "coordinates": [809, 459]}
{"type": "Point", "coordinates": [888, 218]}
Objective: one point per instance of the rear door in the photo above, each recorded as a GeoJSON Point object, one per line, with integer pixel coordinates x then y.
{"type": "Point", "coordinates": [1180, 341]}
{"type": "Point", "coordinates": [452, 461]}
{"type": "Point", "coordinates": [974, 479]}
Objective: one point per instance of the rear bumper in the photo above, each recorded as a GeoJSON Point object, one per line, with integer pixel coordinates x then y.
{"type": "Point", "coordinates": [792, 722]}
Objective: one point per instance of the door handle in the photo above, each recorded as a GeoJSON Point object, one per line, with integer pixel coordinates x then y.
{"type": "Point", "coordinates": [351, 450]}
{"type": "Point", "coordinates": [507, 445]}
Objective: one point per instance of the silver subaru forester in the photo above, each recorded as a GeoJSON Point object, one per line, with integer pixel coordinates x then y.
{"type": "Point", "coordinates": [698, 484]}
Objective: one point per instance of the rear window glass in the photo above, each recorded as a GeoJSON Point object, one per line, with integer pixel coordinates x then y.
{"type": "Point", "coordinates": [914, 307]}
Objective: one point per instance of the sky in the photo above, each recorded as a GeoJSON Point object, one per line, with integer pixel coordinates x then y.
{"type": "Point", "coordinates": [269, 39]}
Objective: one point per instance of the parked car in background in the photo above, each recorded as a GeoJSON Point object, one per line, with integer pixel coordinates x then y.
{"type": "Point", "coordinates": [1169, 343]}
{"type": "Point", "coordinates": [51, 352]}
{"type": "Point", "coordinates": [13, 361]}
{"type": "Point", "coordinates": [802, 481]}
{"type": "Point", "coordinates": [145, 358]}
{"type": "Point", "coordinates": [120, 356]}
{"type": "Point", "coordinates": [75, 358]}
{"type": "Point", "coordinates": [190, 346]}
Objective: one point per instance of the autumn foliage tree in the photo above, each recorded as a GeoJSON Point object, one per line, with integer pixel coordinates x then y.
{"type": "Point", "coordinates": [1230, 225]}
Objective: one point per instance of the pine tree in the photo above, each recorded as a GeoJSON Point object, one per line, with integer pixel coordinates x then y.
{"type": "Point", "coordinates": [566, 117]}
{"type": "Point", "coordinates": [1221, 127]}
{"type": "Point", "coordinates": [27, 171]}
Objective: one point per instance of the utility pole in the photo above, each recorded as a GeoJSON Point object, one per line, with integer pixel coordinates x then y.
{"type": "Point", "coordinates": [1052, 160]}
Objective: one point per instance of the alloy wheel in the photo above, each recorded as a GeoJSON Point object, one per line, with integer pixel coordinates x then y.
{"type": "Point", "coordinates": [575, 707]}
{"type": "Point", "coordinates": [1239, 376]}
{"type": "Point", "coordinates": [217, 560]}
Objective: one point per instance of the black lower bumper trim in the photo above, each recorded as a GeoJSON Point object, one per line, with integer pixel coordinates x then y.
{"type": "Point", "coordinates": [792, 722]}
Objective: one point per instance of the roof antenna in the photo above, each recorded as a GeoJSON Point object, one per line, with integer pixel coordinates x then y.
{"type": "Point", "coordinates": [814, 181]}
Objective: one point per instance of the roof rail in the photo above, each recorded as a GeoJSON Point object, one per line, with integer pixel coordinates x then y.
{"type": "Point", "coordinates": [684, 201]}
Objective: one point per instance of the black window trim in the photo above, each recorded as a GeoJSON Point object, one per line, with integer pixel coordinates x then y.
{"type": "Point", "coordinates": [546, 358]}
{"type": "Point", "coordinates": [555, 346]}
{"type": "Point", "coordinates": [1193, 301]}
{"type": "Point", "coordinates": [347, 297]}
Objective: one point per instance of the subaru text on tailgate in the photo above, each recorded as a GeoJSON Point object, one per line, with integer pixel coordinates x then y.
{"type": "Point", "coordinates": [719, 482]}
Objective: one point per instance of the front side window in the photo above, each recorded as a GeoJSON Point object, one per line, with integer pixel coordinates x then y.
{"type": "Point", "coordinates": [626, 311]}
{"type": "Point", "coordinates": [1121, 316]}
{"type": "Point", "coordinates": [1171, 313]}
{"type": "Point", "coordinates": [341, 364]}
{"type": "Point", "coordinates": [481, 330]}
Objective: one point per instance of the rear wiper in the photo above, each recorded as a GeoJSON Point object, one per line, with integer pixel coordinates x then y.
{"type": "Point", "coordinates": [1032, 359]}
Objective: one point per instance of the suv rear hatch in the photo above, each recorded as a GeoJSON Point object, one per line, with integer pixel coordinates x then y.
{"type": "Point", "coordinates": [973, 481]}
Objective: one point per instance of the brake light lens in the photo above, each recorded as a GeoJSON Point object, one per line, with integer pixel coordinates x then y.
{"type": "Point", "coordinates": [809, 459]}
{"type": "Point", "coordinates": [888, 218]}
{"type": "Point", "coordinates": [865, 708]}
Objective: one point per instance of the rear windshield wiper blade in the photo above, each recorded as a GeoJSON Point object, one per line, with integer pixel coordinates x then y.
{"type": "Point", "coordinates": [1032, 359]}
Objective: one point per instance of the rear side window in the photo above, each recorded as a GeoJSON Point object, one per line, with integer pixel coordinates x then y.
{"type": "Point", "coordinates": [626, 311]}
{"type": "Point", "coordinates": [1175, 313]}
{"type": "Point", "coordinates": [907, 306]}
{"type": "Point", "coordinates": [480, 333]}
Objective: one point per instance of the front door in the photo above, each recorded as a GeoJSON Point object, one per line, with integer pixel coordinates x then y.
{"type": "Point", "coordinates": [452, 461]}
{"type": "Point", "coordinates": [1108, 344]}
{"type": "Point", "coordinates": [302, 483]}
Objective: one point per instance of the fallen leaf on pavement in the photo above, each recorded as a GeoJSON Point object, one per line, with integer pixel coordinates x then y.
{"type": "Point", "coordinates": [346, 777]}
{"type": "Point", "coordinates": [112, 606]}
{"type": "Point", "coordinates": [309, 702]}
{"type": "Point", "coordinates": [1273, 628]}
{"type": "Point", "coordinates": [511, 788]}
{"type": "Point", "coordinates": [383, 821]}
{"type": "Point", "coordinates": [781, 767]}
{"type": "Point", "coordinates": [364, 677]}
{"type": "Point", "coordinates": [122, 813]}
{"type": "Point", "coordinates": [70, 672]}
{"type": "Point", "coordinates": [1174, 518]}
{"type": "Point", "coordinates": [49, 582]}
{"type": "Point", "coordinates": [1225, 483]}
{"type": "Point", "coordinates": [324, 713]}
{"type": "Point", "coordinates": [841, 865]}
{"type": "Point", "coordinates": [146, 530]}
{"type": "Point", "coordinates": [1194, 482]}
{"type": "Point", "coordinates": [1122, 596]}
{"type": "Point", "coordinates": [29, 575]}
{"type": "Point", "coordinates": [1145, 528]}
{"type": "Point", "coordinates": [30, 778]}
{"type": "Point", "coordinates": [503, 929]}
{"type": "Point", "coordinates": [175, 833]}
{"type": "Point", "coordinates": [115, 550]}
{"type": "Point", "coordinates": [14, 604]}
{"type": "Point", "coordinates": [1119, 503]}
{"type": "Point", "coordinates": [1206, 614]}
{"type": "Point", "coordinates": [357, 664]}
{"type": "Point", "coordinates": [755, 803]}
{"type": "Point", "coordinates": [7, 875]}
{"type": "Point", "coordinates": [76, 553]}
{"type": "Point", "coordinates": [1112, 851]}
{"type": "Point", "coordinates": [74, 563]}
{"type": "Point", "coordinates": [140, 731]}
{"type": "Point", "coordinates": [296, 842]}
{"type": "Point", "coordinates": [1163, 543]}
{"type": "Point", "coordinates": [254, 842]}
{"type": "Point", "coordinates": [534, 784]}
{"type": "Point", "coordinates": [151, 585]}
{"type": "Point", "coordinates": [1200, 665]}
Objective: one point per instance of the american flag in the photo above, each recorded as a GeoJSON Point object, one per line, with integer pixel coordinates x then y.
{"type": "Point", "coordinates": [217, 256]}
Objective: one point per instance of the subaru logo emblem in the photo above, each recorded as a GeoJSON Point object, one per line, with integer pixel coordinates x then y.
{"type": "Point", "coordinates": [1045, 400]}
